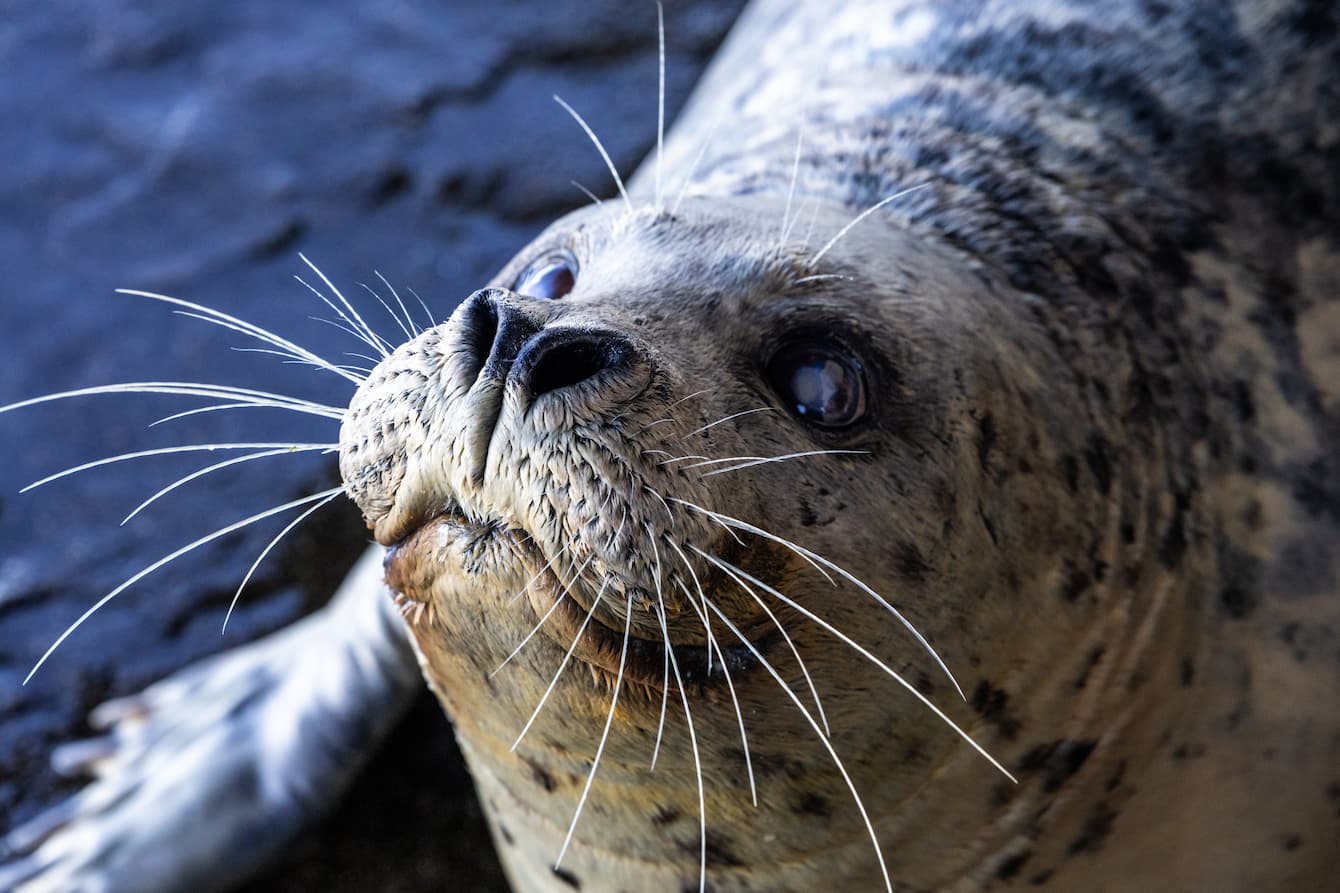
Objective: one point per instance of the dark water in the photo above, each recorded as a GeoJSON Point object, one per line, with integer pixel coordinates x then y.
{"type": "Point", "coordinates": [194, 149]}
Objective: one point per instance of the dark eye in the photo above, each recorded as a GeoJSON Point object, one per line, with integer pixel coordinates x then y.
{"type": "Point", "coordinates": [550, 278]}
{"type": "Point", "coordinates": [819, 382]}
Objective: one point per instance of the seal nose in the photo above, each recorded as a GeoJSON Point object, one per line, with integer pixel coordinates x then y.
{"type": "Point", "coordinates": [494, 331]}
{"type": "Point", "coordinates": [559, 358]}
{"type": "Point", "coordinates": [502, 341]}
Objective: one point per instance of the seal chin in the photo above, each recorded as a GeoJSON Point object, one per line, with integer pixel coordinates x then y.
{"type": "Point", "coordinates": [568, 614]}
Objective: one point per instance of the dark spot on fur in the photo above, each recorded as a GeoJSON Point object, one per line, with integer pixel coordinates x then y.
{"type": "Point", "coordinates": [1056, 761]}
{"type": "Point", "coordinates": [1127, 533]}
{"type": "Point", "coordinates": [813, 804]}
{"type": "Point", "coordinates": [986, 439]}
{"type": "Point", "coordinates": [1070, 471]}
{"type": "Point", "coordinates": [1187, 675]}
{"type": "Point", "coordinates": [1174, 543]}
{"type": "Point", "coordinates": [807, 516]}
{"type": "Point", "coordinates": [1094, 657]}
{"type": "Point", "coordinates": [987, 523]}
{"type": "Point", "coordinates": [719, 852]}
{"type": "Point", "coordinates": [1237, 601]}
{"type": "Point", "coordinates": [1096, 455]}
{"type": "Point", "coordinates": [908, 561]}
{"type": "Point", "coordinates": [1291, 841]}
{"type": "Point", "coordinates": [541, 776]}
{"type": "Point", "coordinates": [506, 835]}
{"type": "Point", "coordinates": [1040, 879]}
{"type": "Point", "coordinates": [1094, 831]}
{"type": "Point", "coordinates": [1118, 774]}
{"type": "Point", "coordinates": [993, 706]}
{"type": "Point", "coordinates": [1013, 865]}
{"type": "Point", "coordinates": [567, 877]}
{"type": "Point", "coordinates": [1076, 584]}
{"type": "Point", "coordinates": [665, 816]}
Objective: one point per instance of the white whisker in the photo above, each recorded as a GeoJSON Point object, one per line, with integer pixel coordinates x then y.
{"type": "Point", "coordinates": [820, 277]}
{"type": "Point", "coordinates": [823, 739]}
{"type": "Point", "coordinates": [208, 469]}
{"type": "Point", "coordinates": [189, 389]}
{"type": "Point", "coordinates": [847, 640]}
{"type": "Point", "coordinates": [804, 670]}
{"type": "Point", "coordinates": [618, 181]}
{"type": "Point", "coordinates": [814, 556]}
{"type": "Point", "coordinates": [727, 419]}
{"type": "Point", "coordinates": [400, 323]}
{"type": "Point", "coordinates": [595, 199]}
{"type": "Point", "coordinates": [693, 741]}
{"type": "Point", "coordinates": [581, 630]}
{"type": "Point", "coordinates": [604, 736]}
{"type": "Point", "coordinates": [859, 217]}
{"type": "Point", "coordinates": [791, 191]}
{"type": "Point", "coordinates": [712, 643]}
{"type": "Point", "coordinates": [751, 461]}
{"type": "Point", "coordinates": [693, 168]}
{"type": "Point", "coordinates": [266, 551]}
{"type": "Point", "coordinates": [188, 448]}
{"type": "Point", "coordinates": [409, 320]}
{"type": "Point", "coordinates": [428, 313]}
{"type": "Point", "coordinates": [358, 320]}
{"type": "Point", "coordinates": [660, 96]}
{"type": "Point", "coordinates": [665, 673]}
{"type": "Point", "coordinates": [547, 614]}
{"type": "Point", "coordinates": [223, 531]}
{"type": "Point", "coordinates": [227, 321]}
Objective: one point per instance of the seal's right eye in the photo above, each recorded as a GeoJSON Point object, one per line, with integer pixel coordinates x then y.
{"type": "Point", "coordinates": [549, 278]}
{"type": "Point", "coordinates": [819, 382]}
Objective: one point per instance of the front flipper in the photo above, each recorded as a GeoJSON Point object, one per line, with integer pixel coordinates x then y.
{"type": "Point", "coordinates": [206, 775]}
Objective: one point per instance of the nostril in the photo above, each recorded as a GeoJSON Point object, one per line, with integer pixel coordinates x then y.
{"type": "Point", "coordinates": [479, 331]}
{"type": "Point", "coordinates": [561, 359]}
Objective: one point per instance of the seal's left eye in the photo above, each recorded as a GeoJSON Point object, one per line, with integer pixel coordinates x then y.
{"type": "Point", "coordinates": [819, 382]}
{"type": "Point", "coordinates": [550, 278]}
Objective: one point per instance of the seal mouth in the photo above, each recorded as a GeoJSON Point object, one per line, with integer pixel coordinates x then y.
{"type": "Point", "coordinates": [565, 614]}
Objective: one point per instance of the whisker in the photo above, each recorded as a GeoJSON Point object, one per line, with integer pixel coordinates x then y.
{"type": "Point", "coordinates": [688, 398]}
{"type": "Point", "coordinates": [763, 460]}
{"type": "Point", "coordinates": [208, 469]}
{"type": "Point", "coordinates": [699, 586]}
{"type": "Point", "coordinates": [360, 373]}
{"type": "Point", "coordinates": [604, 736]}
{"type": "Point", "coordinates": [223, 531]}
{"type": "Point", "coordinates": [790, 192]}
{"type": "Point", "coordinates": [697, 160]}
{"type": "Point", "coordinates": [660, 96]}
{"type": "Point", "coordinates": [618, 181]}
{"type": "Point", "coordinates": [786, 236]}
{"type": "Point", "coordinates": [859, 217]}
{"type": "Point", "coordinates": [864, 653]}
{"type": "Point", "coordinates": [727, 419]}
{"type": "Point", "coordinates": [821, 277]}
{"type": "Point", "coordinates": [189, 389]}
{"type": "Point", "coordinates": [432, 322]}
{"type": "Point", "coordinates": [693, 741]}
{"type": "Point", "coordinates": [809, 680]}
{"type": "Point", "coordinates": [828, 745]}
{"type": "Point", "coordinates": [547, 565]}
{"type": "Point", "coordinates": [379, 346]}
{"type": "Point", "coordinates": [188, 448]}
{"type": "Point", "coordinates": [400, 323]}
{"type": "Point", "coordinates": [814, 556]}
{"type": "Point", "coordinates": [409, 320]}
{"type": "Point", "coordinates": [725, 520]}
{"type": "Point", "coordinates": [581, 630]}
{"type": "Point", "coordinates": [228, 321]}
{"type": "Point", "coordinates": [595, 199]}
{"type": "Point", "coordinates": [266, 551]}
{"type": "Point", "coordinates": [343, 300]}
{"type": "Point", "coordinates": [665, 673]}
{"type": "Point", "coordinates": [730, 687]}
{"type": "Point", "coordinates": [547, 614]}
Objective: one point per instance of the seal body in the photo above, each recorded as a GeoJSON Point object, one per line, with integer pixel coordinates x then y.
{"type": "Point", "coordinates": [1094, 313]}
{"type": "Point", "coordinates": [922, 479]}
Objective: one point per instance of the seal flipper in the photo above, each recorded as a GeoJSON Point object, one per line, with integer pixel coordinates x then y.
{"type": "Point", "coordinates": [207, 774]}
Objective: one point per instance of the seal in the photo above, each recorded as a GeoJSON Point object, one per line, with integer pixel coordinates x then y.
{"type": "Point", "coordinates": [937, 492]}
